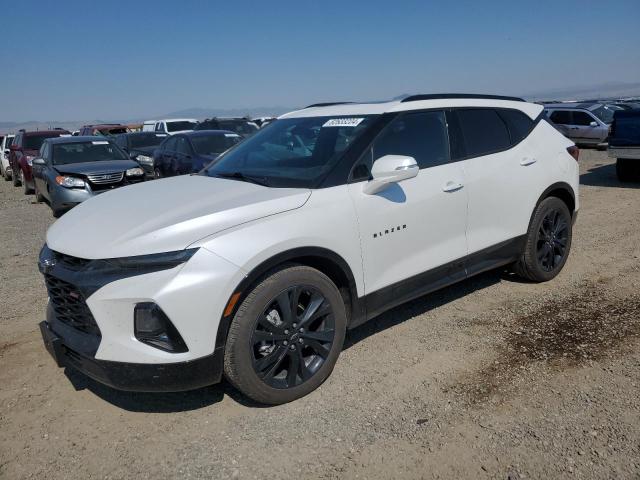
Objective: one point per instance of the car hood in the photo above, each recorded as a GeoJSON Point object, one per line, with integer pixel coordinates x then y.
{"type": "Point", "coordinates": [165, 215]}
{"type": "Point", "coordinates": [102, 166]}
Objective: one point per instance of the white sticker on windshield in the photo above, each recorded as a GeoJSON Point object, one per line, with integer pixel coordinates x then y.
{"type": "Point", "coordinates": [231, 135]}
{"type": "Point", "coordinates": [161, 134]}
{"type": "Point", "coordinates": [343, 122]}
{"type": "Point", "coordinates": [100, 142]}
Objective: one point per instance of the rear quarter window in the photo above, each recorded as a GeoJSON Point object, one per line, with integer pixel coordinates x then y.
{"type": "Point", "coordinates": [518, 123]}
{"type": "Point", "coordinates": [483, 131]}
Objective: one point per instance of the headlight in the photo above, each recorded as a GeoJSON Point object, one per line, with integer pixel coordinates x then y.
{"type": "Point", "coordinates": [29, 159]}
{"type": "Point", "coordinates": [142, 263]}
{"type": "Point", "coordinates": [145, 159]}
{"type": "Point", "coordinates": [134, 172]}
{"type": "Point", "coordinates": [70, 182]}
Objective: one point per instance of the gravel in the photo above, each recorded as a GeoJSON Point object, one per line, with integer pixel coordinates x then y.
{"type": "Point", "coordinates": [491, 378]}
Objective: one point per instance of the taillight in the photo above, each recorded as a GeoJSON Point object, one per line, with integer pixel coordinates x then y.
{"type": "Point", "coordinates": [574, 152]}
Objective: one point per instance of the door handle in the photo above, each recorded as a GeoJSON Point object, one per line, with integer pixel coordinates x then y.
{"type": "Point", "coordinates": [452, 187]}
{"type": "Point", "coordinates": [527, 161]}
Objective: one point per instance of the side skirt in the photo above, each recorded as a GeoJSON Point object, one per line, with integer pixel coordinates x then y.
{"type": "Point", "coordinates": [401, 292]}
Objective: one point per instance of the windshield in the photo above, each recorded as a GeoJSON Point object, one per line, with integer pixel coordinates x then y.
{"type": "Point", "coordinates": [147, 139]}
{"type": "Point", "coordinates": [34, 142]}
{"type": "Point", "coordinates": [214, 144]}
{"type": "Point", "coordinates": [95, 151]}
{"type": "Point", "coordinates": [605, 112]}
{"type": "Point", "coordinates": [179, 126]}
{"type": "Point", "coordinates": [293, 152]}
{"type": "Point", "coordinates": [238, 126]}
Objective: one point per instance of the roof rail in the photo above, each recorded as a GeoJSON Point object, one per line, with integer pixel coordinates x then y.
{"type": "Point", "coordinates": [440, 96]}
{"type": "Point", "coordinates": [327, 104]}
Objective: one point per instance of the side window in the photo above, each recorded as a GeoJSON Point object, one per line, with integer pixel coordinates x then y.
{"type": "Point", "coordinates": [582, 118]}
{"type": "Point", "coordinates": [43, 151]}
{"type": "Point", "coordinates": [561, 117]}
{"type": "Point", "coordinates": [483, 131]}
{"type": "Point", "coordinates": [422, 136]}
{"type": "Point", "coordinates": [182, 146]}
{"type": "Point", "coordinates": [170, 145]}
{"type": "Point", "coordinates": [159, 127]}
{"type": "Point", "coordinates": [518, 123]}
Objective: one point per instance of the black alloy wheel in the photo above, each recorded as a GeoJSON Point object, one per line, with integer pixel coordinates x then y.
{"type": "Point", "coordinates": [292, 338]}
{"type": "Point", "coordinates": [547, 242]}
{"type": "Point", "coordinates": [551, 243]}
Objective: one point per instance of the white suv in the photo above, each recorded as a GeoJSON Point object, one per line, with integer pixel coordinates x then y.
{"type": "Point", "coordinates": [5, 167]}
{"type": "Point", "coordinates": [257, 266]}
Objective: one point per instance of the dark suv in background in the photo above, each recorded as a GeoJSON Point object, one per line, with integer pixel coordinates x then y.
{"type": "Point", "coordinates": [23, 150]}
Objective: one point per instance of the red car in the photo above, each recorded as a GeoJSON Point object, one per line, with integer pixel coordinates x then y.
{"type": "Point", "coordinates": [23, 150]}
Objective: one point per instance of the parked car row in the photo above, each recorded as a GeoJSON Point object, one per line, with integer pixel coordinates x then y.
{"type": "Point", "coordinates": [65, 168]}
{"type": "Point", "coordinates": [586, 122]}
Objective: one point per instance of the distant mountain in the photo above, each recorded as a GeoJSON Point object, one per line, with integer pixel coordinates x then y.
{"type": "Point", "coordinates": [603, 90]}
{"type": "Point", "coordinates": [202, 113]}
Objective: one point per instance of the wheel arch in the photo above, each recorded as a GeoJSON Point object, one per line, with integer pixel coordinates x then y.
{"type": "Point", "coordinates": [561, 190]}
{"type": "Point", "coordinates": [322, 259]}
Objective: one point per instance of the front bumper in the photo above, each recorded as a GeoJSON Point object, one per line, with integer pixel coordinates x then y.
{"type": "Point", "coordinates": [139, 377]}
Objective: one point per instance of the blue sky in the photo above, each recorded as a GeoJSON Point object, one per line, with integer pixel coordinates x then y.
{"type": "Point", "coordinates": [83, 60]}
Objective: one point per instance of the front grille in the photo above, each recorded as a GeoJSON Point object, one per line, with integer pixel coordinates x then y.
{"type": "Point", "coordinates": [72, 263]}
{"type": "Point", "coordinates": [70, 306]}
{"type": "Point", "coordinates": [105, 178]}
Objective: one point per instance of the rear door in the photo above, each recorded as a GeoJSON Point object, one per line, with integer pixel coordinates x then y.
{"type": "Point", "coordinates": [184, 155]}
{"type": "Point", "coordinates": [167, 157]}
{"type": "Point", "coordinates": [412, 232]}
{"type": "Point", "coordinates": [502, 174]}
{"type": "Point", "coordinates": [584, 128]}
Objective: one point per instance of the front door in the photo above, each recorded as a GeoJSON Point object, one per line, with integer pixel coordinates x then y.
{"type": "Point", "coordinates": [412, 233]}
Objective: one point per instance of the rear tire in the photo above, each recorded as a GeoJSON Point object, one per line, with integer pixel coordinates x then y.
{"type": "Point", "coordinates": [548, 242]}
{"type": "Point", "coordinates": [627, 169]}
{"type": "Point", "coordinates": [286, 336]}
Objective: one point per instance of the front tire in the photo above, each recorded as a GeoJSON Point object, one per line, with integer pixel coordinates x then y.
{"type": "Point", "coordinates": [286, 336]}
{"type": "Point", "coordinates": [548, 242]}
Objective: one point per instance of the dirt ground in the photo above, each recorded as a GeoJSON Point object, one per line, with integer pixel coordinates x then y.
{"type": "Point", "coordinates": [492, 378]}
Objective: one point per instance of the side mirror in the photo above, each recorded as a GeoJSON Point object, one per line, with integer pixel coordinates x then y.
{"type": "Point", "coordinates": [38, 161]}
{"type": "Point", "coordinates": [593, 124]}
{"type": "Point", "coordinates": [390, 169]}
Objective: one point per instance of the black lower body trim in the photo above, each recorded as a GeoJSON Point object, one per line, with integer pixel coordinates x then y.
{"type": "Point", "coordinates": [401, 292]}
{"type": "Point", "coordinates": [138, 377]}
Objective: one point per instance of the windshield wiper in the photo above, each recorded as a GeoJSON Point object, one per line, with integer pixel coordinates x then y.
{"type": "Point", "coordinates": [242, 177]}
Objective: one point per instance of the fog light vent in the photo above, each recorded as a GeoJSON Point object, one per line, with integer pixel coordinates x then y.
{"type": "Point", "coordinates": [153, 327]}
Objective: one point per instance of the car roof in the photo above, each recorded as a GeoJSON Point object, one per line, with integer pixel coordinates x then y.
{"type": "Point", "coordinates": [78, 139]}
{"type": "Point", "coordinates": [573, 106]}
{"type": "Point", "coordinates": [177, 120]}
{"type": "Point", "coordinates": [51, 130]}
{"type": "Point", "coordinates": [105, 125]}
{"type": "Point", "coordinates": [416, 102]}
{"type": "Point", "coordinates": [148, 132]}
